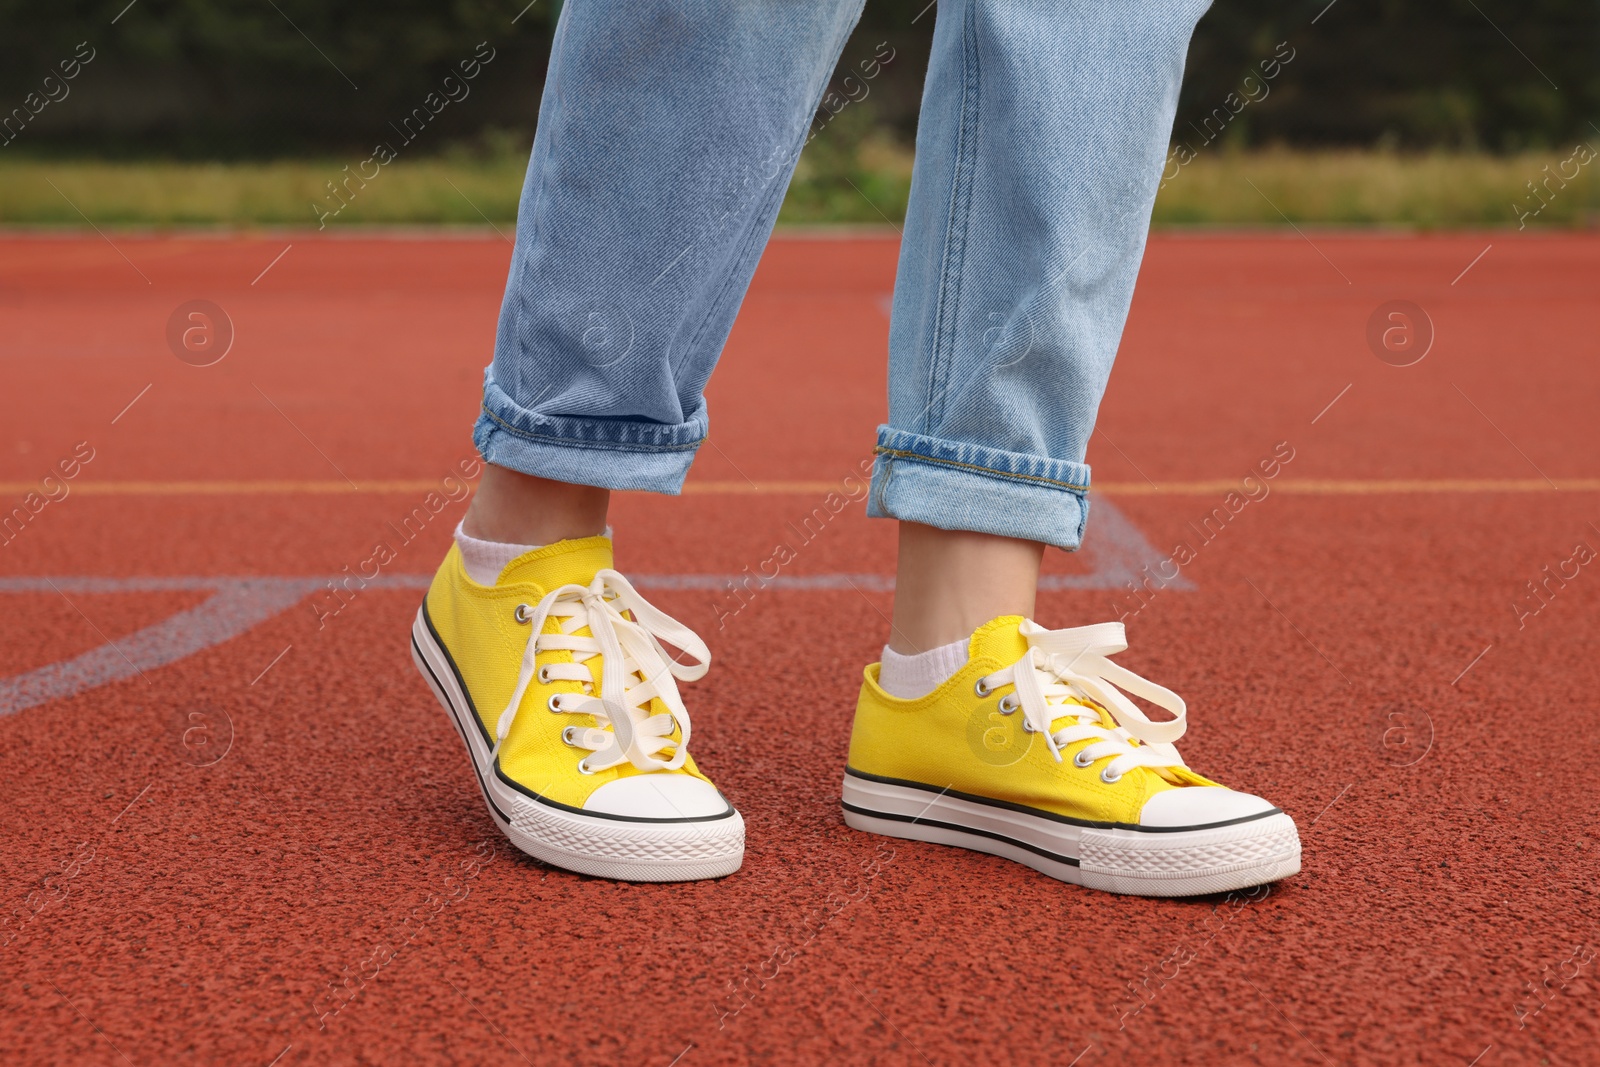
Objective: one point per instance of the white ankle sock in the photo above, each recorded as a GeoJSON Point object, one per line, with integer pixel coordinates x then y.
{"type": "Point", "coordinates": [909, 677]}
{"type": "Point", "coordinates": [485, 560]}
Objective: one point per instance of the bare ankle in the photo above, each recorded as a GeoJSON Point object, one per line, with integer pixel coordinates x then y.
{"type": "Point", "coordinates": [518, 508]}
{"type": "Point", "coordinates": [950, 582]}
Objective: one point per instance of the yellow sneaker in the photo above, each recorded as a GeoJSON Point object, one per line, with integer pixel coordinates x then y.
{"type": "Point", "coordinates": [557, 681]}
{"type": "Point", "coordinates": [1033, 752]}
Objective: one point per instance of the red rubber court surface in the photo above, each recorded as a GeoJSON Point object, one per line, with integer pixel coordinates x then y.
{"type": "Point", "coordinates": [238, 830]}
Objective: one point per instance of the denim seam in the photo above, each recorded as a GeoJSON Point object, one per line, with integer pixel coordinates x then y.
{"type": "Point", "coordinates": [899, 453]}
{"type": "Point", "coordinates": [956, 222]}
{"type": "Point", "coordinates": [751, 242]}
{"type": "Point", "coordinates": [603, 446]}
{"type": "Point", "coordinates": [520, 249]}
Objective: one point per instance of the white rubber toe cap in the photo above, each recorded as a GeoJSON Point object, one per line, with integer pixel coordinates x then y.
{"type": "Point", "coordinates": [1200, 805]}
{"type": "Point", "coordinates": [660, 795]}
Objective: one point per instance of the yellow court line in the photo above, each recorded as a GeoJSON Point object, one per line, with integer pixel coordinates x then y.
{"type": "Point", "coordinates": [1354, 486]}
{"type": "Point", "coordinates": [374, 487]}
{"type": "Point", "coordinates": [393, 487]}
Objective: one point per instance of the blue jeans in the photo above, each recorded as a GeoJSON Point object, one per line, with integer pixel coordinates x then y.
{"type": "Point", "coordinates": [667, 136]}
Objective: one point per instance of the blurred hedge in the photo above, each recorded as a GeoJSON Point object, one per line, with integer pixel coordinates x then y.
{"type": "Point", "coordinates": [841, 179]}
{"type": "Point", "coordinates": [242, 79]}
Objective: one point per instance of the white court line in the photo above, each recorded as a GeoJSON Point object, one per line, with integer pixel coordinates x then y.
{"type": "Point", "coordinates": [1115, 554]}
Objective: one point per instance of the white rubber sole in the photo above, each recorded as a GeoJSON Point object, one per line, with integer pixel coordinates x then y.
{"type": "Point", "coordinates": [1152, 863]}
{"type": "Point", "coordinates": [633, 850]}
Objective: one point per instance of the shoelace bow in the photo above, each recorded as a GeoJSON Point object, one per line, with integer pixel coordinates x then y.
{"type": "Point", "coordinates": [635, 669]}
{"type": "Point", "coordinates": [1063, 665]}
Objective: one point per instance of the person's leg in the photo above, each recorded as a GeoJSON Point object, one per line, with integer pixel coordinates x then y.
{"type": "Point", "coordinates": [667, 135]}
{"type": "Point", "coordinates": [510, 507]}
{"type": "Point", "coordinates": [949, 582]}
{"type": "Point", "coordinates": [1040, 147]}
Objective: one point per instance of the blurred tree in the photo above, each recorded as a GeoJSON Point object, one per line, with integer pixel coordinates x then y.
{"type": "Point", "coordinates": [1487, 74]}
{"type": "Point", "coordinates": [258, 78]}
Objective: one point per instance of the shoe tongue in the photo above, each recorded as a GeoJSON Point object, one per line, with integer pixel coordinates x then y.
{"type": "Point", "coordinates": [999, 639]}
{"type": "Point", "coordinates": [1002, 639]}
{"type": "Point", "coordinates": [563, 563]}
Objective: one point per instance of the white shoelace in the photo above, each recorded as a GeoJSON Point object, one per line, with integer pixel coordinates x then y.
{"type": "Point", "coordinates": [1063, 664]}
{"type": "Point", "coordinates": [635, 669]}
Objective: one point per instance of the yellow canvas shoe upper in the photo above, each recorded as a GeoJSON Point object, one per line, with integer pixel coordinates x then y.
{"type": "Point", "coordinates": [563, 662]}
{"type": "Point", "coordinates": [1037, 718]}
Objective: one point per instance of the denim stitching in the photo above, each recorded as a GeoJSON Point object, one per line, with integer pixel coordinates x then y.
{"type": "Point", "coordinates": [520, 249]}
{"type": "Point", "coordinates": [751, 245]}
{"type": "Point", "coordinates": [752, 241]}
{"type": "Point", "coordinates": [605, 446]}
{"type": "Point", "coordinates": [899, 453]}
{"type": "Point", "coordinates": [956, 222]}
{"type": "Point", "coordinates": [728, 282]}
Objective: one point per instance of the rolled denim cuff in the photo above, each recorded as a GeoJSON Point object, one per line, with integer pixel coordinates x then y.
{"type": "Point", "coordinates": [608, 453]}
{"type": "Point", "coordinates": [957, 486]}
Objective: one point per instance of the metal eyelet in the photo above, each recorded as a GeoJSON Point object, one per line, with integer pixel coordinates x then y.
{"type": "Point", "coordinates": [982, 688]}
{"type": "Point", "coordinates": [584, 768]}
{"type": "Point", "coordinates": [551, 703]}
{"type": "Point", "coordinates": [566, 735]}
{"type": "Point", "coordinates": [1009, 703]}
{"type": "Point", "coordinates": [1027, 727]}
{"type": "Point", "coordinates": [1079, 761]}
{"type": "Point", "coordinates": [524, 613]}
{"type": "Point", "coordinates": [1108, 778]}
{"type": "Point", "coordinates": [544, 675]}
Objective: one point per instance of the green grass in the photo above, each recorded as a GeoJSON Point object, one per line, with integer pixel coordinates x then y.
{"type": "Point", "coordinates": [245, 194]}
{"type": "Point", "coordinates": [841, 179]}
{"type": "Point", "coordinates": [1433, 191]}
